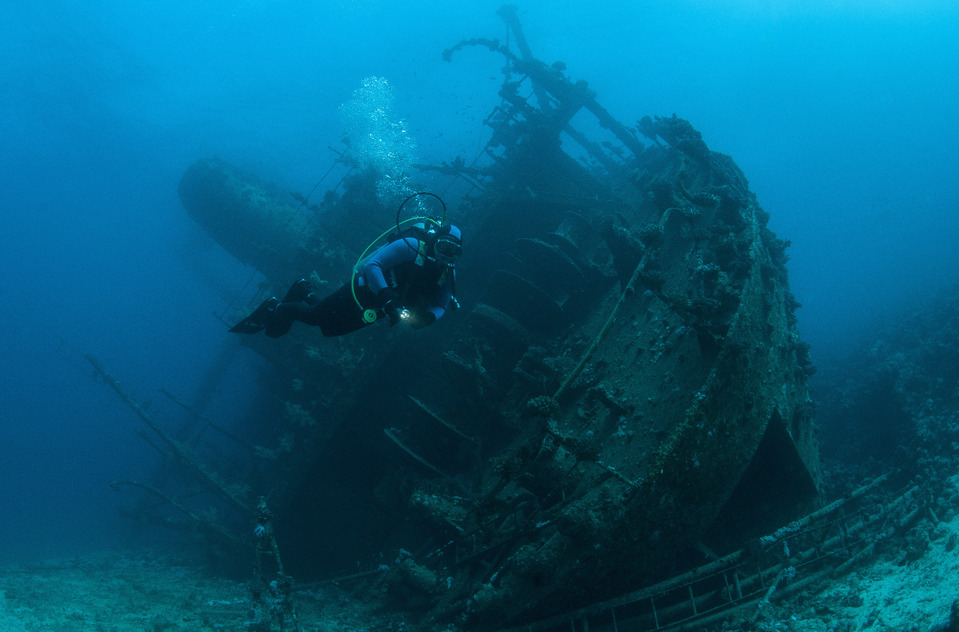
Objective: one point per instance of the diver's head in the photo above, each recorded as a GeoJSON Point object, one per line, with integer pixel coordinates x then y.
{"type": "Point", "coordinates": [449, 243]}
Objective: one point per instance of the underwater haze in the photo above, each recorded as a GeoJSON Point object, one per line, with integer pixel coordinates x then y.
{"type": "Point", "coordinates": [841, 114]}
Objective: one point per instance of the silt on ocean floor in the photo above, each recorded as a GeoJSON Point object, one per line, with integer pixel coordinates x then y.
{"type": "Point", "coordinates": [909, 586]}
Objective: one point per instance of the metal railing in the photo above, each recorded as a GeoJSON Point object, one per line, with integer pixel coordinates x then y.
{"type": "Point", "coordinates": [822, 544]}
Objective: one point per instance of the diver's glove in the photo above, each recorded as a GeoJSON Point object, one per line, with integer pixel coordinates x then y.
{"type": "Point", "coordinates": [395, 312]}
{"type": "Point", "coordinates": [424, 320]}
{"type": "Point", "coordinates": [384, 296]}
{"type": "Point", "coordinates": [391, 306]}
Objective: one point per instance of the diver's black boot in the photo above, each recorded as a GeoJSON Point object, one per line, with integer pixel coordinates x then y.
{"type": "Point", "coordinates": [282, 319]}
{"type": "Point", "coordinates": [297, 292]}
{"type": "Point", "coordinates": [258, 319]}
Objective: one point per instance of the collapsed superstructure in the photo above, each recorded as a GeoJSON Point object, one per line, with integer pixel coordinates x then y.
{"type": "Point", "coordinates": [623, 392]}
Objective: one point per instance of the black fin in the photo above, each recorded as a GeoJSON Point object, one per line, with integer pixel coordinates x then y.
{"type": "Point", "coordinates": [258, 319]}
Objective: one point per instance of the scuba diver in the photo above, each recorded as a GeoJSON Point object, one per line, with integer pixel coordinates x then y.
{"type": "Point", "coordinates": [410, 279]}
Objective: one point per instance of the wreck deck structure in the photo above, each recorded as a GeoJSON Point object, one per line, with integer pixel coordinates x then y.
{"type": "Point", "coordinates": [623, 390]}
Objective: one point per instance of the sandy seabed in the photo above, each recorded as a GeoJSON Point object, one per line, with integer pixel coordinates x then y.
{"type": "Point", "coordinates": [148, 592]}
{"type": "Point", "coordinates": [908, 586]}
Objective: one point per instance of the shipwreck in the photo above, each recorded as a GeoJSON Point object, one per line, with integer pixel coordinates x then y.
{"type": "Point", "coordinates": [622, 395]}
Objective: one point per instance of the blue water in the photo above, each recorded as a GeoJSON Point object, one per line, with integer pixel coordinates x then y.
{"type": "Point", "coordinates": [841, 114]}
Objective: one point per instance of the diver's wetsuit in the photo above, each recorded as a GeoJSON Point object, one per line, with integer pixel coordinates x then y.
{"type": "Point", "coordinates": [421, 284]}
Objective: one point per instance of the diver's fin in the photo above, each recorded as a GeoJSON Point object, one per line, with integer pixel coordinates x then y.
{"type": "Point", "coordinates": [298, 291]}
{"type": "Point", "coordinates": [258, 319]}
